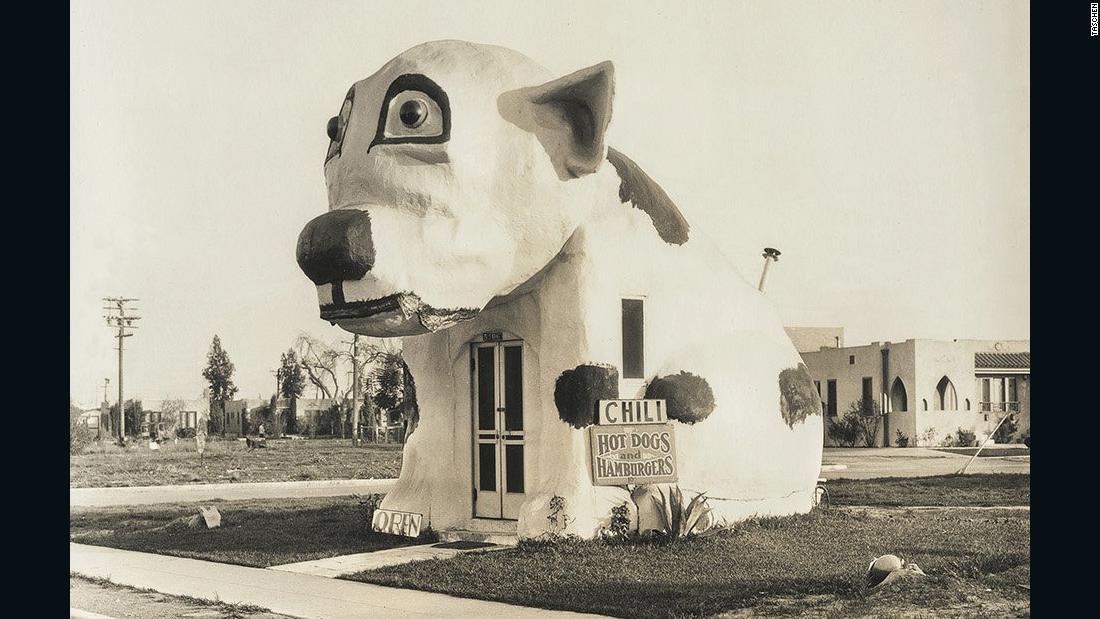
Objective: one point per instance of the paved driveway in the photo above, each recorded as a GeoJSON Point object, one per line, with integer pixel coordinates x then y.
{"type": "Point", "coordinates": [912, 462]}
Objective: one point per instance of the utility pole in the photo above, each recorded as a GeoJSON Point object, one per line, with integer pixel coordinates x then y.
{"type": "Point", "coordinates": [278, 395]}
{"type": "Point", "coordinates": [355, 390]}
{"type": "Point", "coordinates": [118, 318]}
{"type": "Point", "coordinates": [99, 431]}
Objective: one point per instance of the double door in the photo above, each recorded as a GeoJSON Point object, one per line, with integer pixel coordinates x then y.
{"type": "Point", "coordinates": [498, 429]}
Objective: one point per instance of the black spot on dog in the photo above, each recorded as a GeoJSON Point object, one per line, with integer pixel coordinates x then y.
{"type": "Point", "coordinates": [797, 397]}
{"type": "Point", "coordinates": [644, 193]}
{"type": "Point", "coordinates": [689, 398]}
{"type": "Point", "coordinates": [577, 392]}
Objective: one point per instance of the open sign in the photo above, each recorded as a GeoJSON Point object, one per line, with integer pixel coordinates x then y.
{"type": "Point", "coordinates": [396, 523]}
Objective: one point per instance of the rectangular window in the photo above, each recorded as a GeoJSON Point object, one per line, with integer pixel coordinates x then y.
{"type": "Point", "coordinates": [830, 389]}
{"type": "Point", "coordinates": [868, 397]}
{"type": "Point", "coordinates": [513, 456]}
{"type": "Point", "coordinates": [486, 397]}
{"type": "Point", "coordinates": [487, 466]}
{"type": "Point", "coordinates": [633, 339]}
{"type": "Point", "coordinates": [513, 389]}
{"type": "Point", "coordinates": [851, 359]}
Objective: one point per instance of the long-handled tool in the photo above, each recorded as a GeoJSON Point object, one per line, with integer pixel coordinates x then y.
{"type": "Point", "coordinates": [982, 446]}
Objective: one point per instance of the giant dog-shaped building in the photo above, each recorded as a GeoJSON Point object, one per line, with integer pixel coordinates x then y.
{"type": "Point", "coordinates": [475, 209]}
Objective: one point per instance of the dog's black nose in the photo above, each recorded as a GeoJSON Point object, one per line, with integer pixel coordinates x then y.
{"type": "Point", "coordinates": [336, 247]}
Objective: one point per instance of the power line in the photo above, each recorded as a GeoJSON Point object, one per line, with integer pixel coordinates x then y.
{"type": "Point", "coordinates": [121, 318]}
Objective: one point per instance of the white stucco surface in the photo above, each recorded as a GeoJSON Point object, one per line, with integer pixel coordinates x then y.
{"type": "Point", "coordinates": [485, 221]}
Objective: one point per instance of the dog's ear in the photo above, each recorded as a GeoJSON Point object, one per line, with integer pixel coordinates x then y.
{"type": "Point", "coordinates": [569, 116]}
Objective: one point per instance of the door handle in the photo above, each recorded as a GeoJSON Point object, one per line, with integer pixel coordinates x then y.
{"type": "Point", "coordinates": [501, 410]}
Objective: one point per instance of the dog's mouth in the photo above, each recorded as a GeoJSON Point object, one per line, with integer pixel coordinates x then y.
{"type": "Point", "coordinates": [397, 314]}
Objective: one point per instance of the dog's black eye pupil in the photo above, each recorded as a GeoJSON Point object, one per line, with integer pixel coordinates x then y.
{"type": "Point", "coordinates": [413, 113]}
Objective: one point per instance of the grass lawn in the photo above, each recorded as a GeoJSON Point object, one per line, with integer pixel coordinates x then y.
{"type": "Point", "coordinates": [971, 490]}
{"type": "Point", "coordinates": [811, 565]}
{"type": "Point", "coordinates": [282, 460]}
{"type": "Point", "coordinates": [257, 533]}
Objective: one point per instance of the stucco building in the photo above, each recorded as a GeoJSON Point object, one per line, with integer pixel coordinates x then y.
{"type": "Point", "coordinates": [811, 339]}
{"type": "Point", "coordinates": [927, 389]}
{"type": "Point", "coordinates": [154, 417]}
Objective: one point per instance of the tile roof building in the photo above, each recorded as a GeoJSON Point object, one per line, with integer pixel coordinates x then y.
{"type": "Point", "coordinates": [927, 389]}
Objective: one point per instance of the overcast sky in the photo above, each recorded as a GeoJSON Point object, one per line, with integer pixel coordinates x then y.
{"type": "Point", "coordinates": [882, 146]}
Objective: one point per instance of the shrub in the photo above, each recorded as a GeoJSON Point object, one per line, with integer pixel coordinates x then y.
{"type": "Point", "coordinates": [367, 506]}
{"type": "Point", "coordinates": [618, 528]}
{"type": "Point", "coordinates": [845, 431]}
{"type": "Point", "coordinates": [577, 392]}
{"type": "Point", "coordinates": [965, 438]}
{"type": "Point", "coordinates": [901, 440]}
{"type": "Point", "coordinates": [688, 397]}
{"type": "Point", "coordinates": [134, 416]}
{"type": "Point", "coordinates": [679, 520]}
{"type": "Point", "coordinates": [330, 421]}
{"type": "Point", "coordinates": [557, 521]}
{"type": "Point", "coordinates": [185, 432]}
{"type": "Point", "coordinates": [867, 414]}
{"type": "Point", "coordinates": [1005, 431]}
{"type": "Point", "coordinates": [859, 423]}
{"type": "Point", "coordinates": [216, 422]}
{"type": "Point", "coordinates": [79, 434]}
{"type": "Point", "coordinates": [927, 438]}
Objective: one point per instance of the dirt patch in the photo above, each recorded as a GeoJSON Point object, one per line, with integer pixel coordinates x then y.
{"type": "Point", "coordinates": [120, 601]}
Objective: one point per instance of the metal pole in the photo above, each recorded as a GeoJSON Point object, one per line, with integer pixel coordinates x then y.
{"type": "Point", "coordinates": [121, 409]}
{"type": "Point", "coordinates": [355, 390]}
{"type": "Point", "coordinates": [770, 255]}
{"type": "Point", "coordinates": [106, 395]}
{"type": "Point", "coordinates": [764, 274]}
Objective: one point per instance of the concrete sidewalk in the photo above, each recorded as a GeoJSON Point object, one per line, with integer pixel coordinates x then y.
{"type": "Point", "coordinates": [147, 495]}
{"type": "Point", "coordinates": [334, 567]}
{"type": "Point", "coordinates": [298, 595]}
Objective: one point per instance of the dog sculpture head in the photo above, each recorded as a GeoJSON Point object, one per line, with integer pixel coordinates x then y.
{"type": "Point", "coordinates": [455, 173]}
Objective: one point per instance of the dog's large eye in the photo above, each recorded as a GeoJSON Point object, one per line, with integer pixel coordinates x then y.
{"type": "Point", "coordinates": [338, 126]}
{"type": "Point", "coordinates": [413, 113]}
{"type": "Point", "coordinates": [415, 110]}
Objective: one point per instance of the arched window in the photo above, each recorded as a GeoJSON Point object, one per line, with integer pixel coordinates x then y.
{"type": "Point", "coordinates": [945, 396]}
{"type": "Point", "coordinates": [899, 401]}
{"type": "Point", "coordinates": [923, 404]}
{"type": "Point", "coordinates": [966, 403]}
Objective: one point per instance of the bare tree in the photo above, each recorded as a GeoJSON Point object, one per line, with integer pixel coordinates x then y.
{"type": "Point", "coordinates": [326, 364]}
{"type": "Point", "coordinates": [321, 363]}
